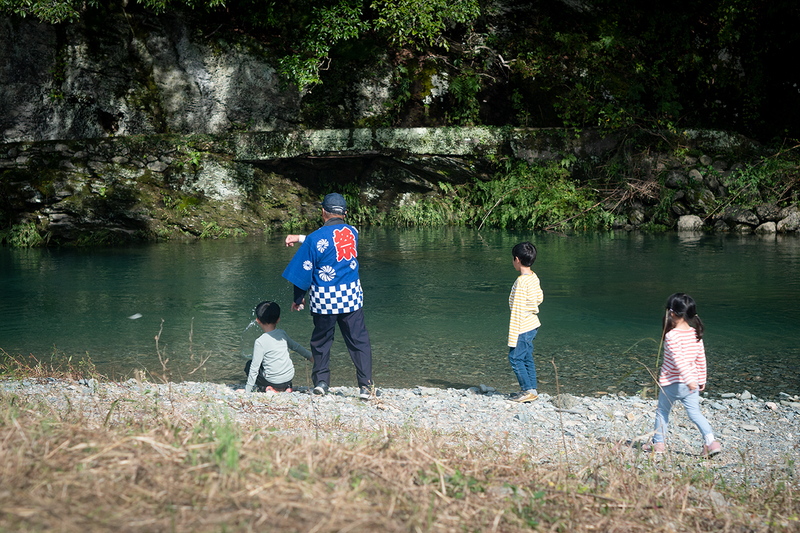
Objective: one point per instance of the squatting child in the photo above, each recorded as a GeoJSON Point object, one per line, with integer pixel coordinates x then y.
{"type": "Point", "coordinates": [526, 296]}
{"type": "Point", "coordinates": [271, 367]}
{"type": "Point", "coordinates": [683, 372]}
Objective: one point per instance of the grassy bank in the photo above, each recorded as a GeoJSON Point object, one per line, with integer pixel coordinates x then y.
{"type": "Point", "coordinates": [154, 463]}
{"type": "Point", "coordinates": [152, 471]}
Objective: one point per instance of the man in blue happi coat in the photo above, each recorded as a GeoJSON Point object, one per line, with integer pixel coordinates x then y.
{"type": "Point", "coordinates": [327, 263]}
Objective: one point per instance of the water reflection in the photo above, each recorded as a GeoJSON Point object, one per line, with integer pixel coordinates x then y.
{"type": "Point", "coordinates": [435, 304]}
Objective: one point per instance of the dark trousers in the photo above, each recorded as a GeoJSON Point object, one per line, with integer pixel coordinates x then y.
{"type": "Point", "coordinates": [356, 337]}
{"type": "Point", "coordinates": [262, 383]}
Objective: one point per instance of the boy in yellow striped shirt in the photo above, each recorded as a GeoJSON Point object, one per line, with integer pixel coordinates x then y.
{"type": "Point", "coordinates": [526, 296]}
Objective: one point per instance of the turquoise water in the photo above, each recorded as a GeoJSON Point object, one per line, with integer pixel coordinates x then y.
{"type": "Point", "coordinates": [435, 303]}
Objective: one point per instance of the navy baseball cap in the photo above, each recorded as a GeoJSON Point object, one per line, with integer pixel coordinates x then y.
{"type": "Point", "coordinates": [334, 203]}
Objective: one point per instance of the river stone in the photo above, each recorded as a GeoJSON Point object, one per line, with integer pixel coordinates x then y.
{"type": "Point", "coordinates": [565, 401]}
{"type": "Point", "coordinates": [711, 181]}
{"type": "Point", "coordinates": [790, 223]}
{"type": "Point", "coordinates": [721, 226]}
{"type": "Point", "coordinates": [701, 200]}
{"type": "Point", "coordinates": [720, 165]}
{"type": "Point", "coordinates": [157, 166]}
{"type": "Point", "coordinates": [675, 179]}
{"type": "Point", "coordinates": [746, 395]}
{"type": "Point", "coordinates": [768, 212]}
{"type": "Point", "coordinates": [717, 499]}
{"type": "Point", "coordinates": [690, 223]}
{"type": "Point", "coordinates": [694, 175]}
{"type": "Point", "coordinates": [636, 215]}
{"type": "Point", "coordinates": [679, 209]}
{"type": "Point", "coordinates": [766, 228]}
{"type": "Point", "coordinates": [788, 211]}
{"type": "Point", "coordinates": [740, 215]}
{"type": "Point", "coordinates": [705, 160]}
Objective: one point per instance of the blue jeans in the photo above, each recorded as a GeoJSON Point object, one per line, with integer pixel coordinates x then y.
{"type": "Point", "coordinates": [690, 400]}
{"type": "Point", "coordinates": [521, 359]}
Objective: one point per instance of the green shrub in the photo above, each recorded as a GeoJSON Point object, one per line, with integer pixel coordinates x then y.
{"type": "Point", "coordinates": [770, 180]}
{"type": "Point", "coordinates": [22, 236]}
{"type": "Point", "coordinates": [539, 196]}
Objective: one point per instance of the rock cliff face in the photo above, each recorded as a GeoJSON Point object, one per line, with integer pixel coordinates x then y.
{"type": "Point", "coordinates": [131, 76]}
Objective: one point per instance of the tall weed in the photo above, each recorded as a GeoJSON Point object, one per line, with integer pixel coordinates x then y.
{"type": "Point", "coordinates": [539, 196]}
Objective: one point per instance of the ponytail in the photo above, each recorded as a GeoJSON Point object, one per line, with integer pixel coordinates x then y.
{"type": "Point", "coordinates": [698, 326]}
{"type": "Point", "coordinates": [683, 305]}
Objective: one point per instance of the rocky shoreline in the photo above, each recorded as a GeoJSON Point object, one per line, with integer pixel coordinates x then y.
{"type": "Point", "coordinates": [150, 188]}
{"type": "Point", "coordinates": [760, 439]}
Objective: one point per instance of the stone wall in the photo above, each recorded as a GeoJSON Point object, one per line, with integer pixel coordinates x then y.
{"type": "Point", "coordinates": [168, 186]}
{"type": "Point", "coordinates": [154, 187]}
{"type": "Point", "coordinates": [690, 192]}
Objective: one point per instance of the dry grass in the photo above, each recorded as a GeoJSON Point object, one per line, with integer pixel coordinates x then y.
{"type": "Point", "coordinates": [144, 467]}
{"type": "Point", "coordinates": [56, 366]}
{"type": "Point", "coordinates": [140, 463]}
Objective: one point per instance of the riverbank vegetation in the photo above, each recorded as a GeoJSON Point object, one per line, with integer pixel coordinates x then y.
{"type": "Point", "coordinates": [140, 463]}
{"type": "Point", "coordinates": [592, 194]}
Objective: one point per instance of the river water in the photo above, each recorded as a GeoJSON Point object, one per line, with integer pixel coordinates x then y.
{"type": "Point", "coordinates": [436, 305]}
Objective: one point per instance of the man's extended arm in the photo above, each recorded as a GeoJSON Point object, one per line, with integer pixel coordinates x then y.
{"type": "Point", "coordinates": [291, 239]}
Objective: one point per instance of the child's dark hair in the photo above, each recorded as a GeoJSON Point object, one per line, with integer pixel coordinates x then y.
{"type": "Point", "coordinates": [683, 305]}
{"type": "Point", "coordinates": [268, 312]}
{"type": "Point", "coordinates": [526, 252]}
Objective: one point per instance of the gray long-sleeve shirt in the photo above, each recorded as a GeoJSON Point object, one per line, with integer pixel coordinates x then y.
{"type": "Point", "coordinates": [271, 353]}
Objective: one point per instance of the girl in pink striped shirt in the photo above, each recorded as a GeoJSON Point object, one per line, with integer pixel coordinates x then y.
{"type": "Point", "coordinates": [683, 373]}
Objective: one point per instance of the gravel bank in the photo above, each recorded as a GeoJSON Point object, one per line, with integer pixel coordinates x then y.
{"type": "Point", "coordinates": [759, 438]}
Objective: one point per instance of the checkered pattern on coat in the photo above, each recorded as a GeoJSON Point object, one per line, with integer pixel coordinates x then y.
{"type": "Point", "coordinates": [338, 299]}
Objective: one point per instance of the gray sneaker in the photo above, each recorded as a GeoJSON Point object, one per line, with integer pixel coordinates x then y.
{"type": "Point", "coordinates": [321, 389]}
{"type": "Point", "coordinates": [366, 392]}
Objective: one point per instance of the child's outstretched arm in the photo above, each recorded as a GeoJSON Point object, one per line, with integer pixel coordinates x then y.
{"type": "Point", "coordinates": [298, 348]}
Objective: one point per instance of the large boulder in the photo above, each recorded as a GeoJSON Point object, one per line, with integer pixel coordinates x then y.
{"type": "Point", "coordinates": [791, 222]}
{"type": "Point", "coordinates": [768, 212]}
{"type": "Point", "coordinates": [766, 228]}
{"type": "Point", "coordinates": [690, 223]}
{"type": "Point", "coordinates": [675, 179]}
{"type": "Point", "coordinates": [738, 216]}
{"type": "Point", "coordinates": [701, 200]}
